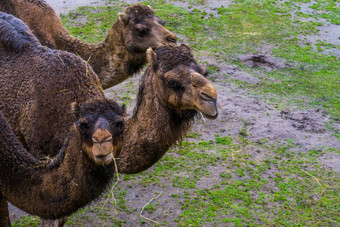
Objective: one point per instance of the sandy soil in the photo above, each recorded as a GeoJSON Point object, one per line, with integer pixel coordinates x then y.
{"type": "Point", "coordinates": [304, 127]}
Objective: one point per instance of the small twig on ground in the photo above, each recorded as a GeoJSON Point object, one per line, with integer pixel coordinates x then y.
{"type": "Point", "coordinates": [316, 179]}
{"type": "Point", "coordinates": [141, 211]}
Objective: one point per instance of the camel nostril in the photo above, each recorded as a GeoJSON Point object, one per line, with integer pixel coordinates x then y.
{"type": "Point", "coordinates": [207, 97]}
{"type": "Point", "coordinates": [172, 39]}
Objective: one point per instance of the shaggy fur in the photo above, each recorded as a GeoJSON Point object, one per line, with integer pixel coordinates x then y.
{"type": "Point", "coordinates": [60, 186]}
{"type": "Point", "coordinates": [12, 33]}
{"type": "Point", "coordinates": [34, 100]}
{"type": "Point", "coordinates": [165, 108]}
{"type": "Point", "coordinates": [38, 86]}
{"type": "Point", "coordinates": [115, 59]}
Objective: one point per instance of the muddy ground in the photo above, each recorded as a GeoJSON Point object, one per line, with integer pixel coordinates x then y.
{"type": "Point", "coordinates": [306, 128]}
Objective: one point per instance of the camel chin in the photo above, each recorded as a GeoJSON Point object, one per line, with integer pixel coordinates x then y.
{"type": "Point", "coordinates": [103, 160]}
{"type": "Point", "coordinates": [211, 117]}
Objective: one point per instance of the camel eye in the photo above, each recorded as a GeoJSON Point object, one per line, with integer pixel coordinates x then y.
{"type": "Point", "coordinates": [143, 32]}
{"type": "Point", "coordinates": [84, 127]}
{"type": "Point", "coordinates": [142, 29]}
{"type": "Point", "coordinates": [175, 85]}
{"type": "Point", "coordinates": [83, 122]}
{"type": "Point", "coordinates": [119, 125]}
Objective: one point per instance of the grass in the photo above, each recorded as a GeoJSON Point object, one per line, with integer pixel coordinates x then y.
{"type": "Point", "coordinates": [233, 180]}
{"type": "Point", "coordinates": [27, 221]}
{"type": "Point", "coordinates": [277, 186]}
{"type": "Point", "coordinates": [251, 191]}
{"type": "Point", "coordinates": [312, 78]}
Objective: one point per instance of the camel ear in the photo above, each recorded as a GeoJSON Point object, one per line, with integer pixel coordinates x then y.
{"type": "Point", "coordinates": [204, 71]}
{"type": "Point", "coordinates": [150, 55]}
{"type": "Point", "coordinates": [185, 48]}
{"type": "Point", "coordinates": [123, 17]}
{"type": "Point", "coordinates": [123, 106]}
{"type": "Point", "coordinates": [75, 109]}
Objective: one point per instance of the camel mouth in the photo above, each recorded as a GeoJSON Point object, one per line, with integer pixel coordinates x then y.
{"type": "Point", "coordinates": [210, 117]}
{"type": "Point", "coordinates": [209, 109]}
{"type": "Point", "coordinates": [103, 160]}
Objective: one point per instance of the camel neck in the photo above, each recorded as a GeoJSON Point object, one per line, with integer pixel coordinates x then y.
{"type": "Point", "coordinates": [110, 59]}
{"type": "Point", "coordinates": [88, 51]}
{"type": "Point", "coordinates": [56, 188]}
{"type": "Point", "coordinates": [118, 62]}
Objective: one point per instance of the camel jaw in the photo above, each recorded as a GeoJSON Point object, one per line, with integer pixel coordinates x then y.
{"type": "Point", "coordinates": [210, 117]}
{"type": "Point", "coordinates": [208, 108]}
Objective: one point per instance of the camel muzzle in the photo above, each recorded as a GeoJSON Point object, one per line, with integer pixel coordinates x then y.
{"type": "Point", "coordinates": [102, 147]}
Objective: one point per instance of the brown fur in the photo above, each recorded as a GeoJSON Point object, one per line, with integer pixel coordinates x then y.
{"type": "Point", "coordinates": [38, 85]}
{"type": "Point", "coordinates": [60, 186]}
{"type": "Point", "coordinates": [167, 103]}
{"type": "Point", "coordinates": [171, 92]}
{"type": "Point", "coordinates": [115, 59]}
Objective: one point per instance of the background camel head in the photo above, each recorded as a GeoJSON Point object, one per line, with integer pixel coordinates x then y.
{"type": "Point", "coordinates": [142, 29]}
{"type": "Point", "coordinates": [100, 123]}
{"type": "Point", "coordinates": [179, 81]}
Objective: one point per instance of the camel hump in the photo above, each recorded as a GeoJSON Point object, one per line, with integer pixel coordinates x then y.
{"type": "Point", "coordinates": [15, 34]}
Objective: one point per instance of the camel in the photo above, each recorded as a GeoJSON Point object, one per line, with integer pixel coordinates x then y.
{"type": "Point", "coordinates": [116, 58]}
{"type": "Point", "coordinates": [172, 92]}
{"type": "Point", "coordinates": [33, 99]}
{"type": "Point", "coordinates": [80, 172]}
{"type": "Point", "coordinates": [38, 85]}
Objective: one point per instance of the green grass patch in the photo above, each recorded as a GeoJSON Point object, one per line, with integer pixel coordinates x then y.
{"type": "Point", "coordinates": [27, 221]}
{"type": "Point", "coordinates": [284, 188]}
{"type": "Point", "coordinates": [246, 27]}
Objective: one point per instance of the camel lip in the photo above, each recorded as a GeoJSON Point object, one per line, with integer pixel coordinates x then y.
{"type": "Point", "coordinates": [211, 117]}
{"type": "Point", "coordinates": [213, 105]}
{"type": "Point", "coordinates": [207, 115]}
{"type": "Point", "coordinates": [103, 160]}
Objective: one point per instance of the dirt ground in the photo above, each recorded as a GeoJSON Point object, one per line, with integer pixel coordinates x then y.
{"type": "Point", "coordinates": [306, 128]}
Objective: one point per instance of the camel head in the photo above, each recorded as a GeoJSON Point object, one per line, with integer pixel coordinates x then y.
{"type": "Point", "coordinates": [180, 82]}
{"type": "Point", "coordinates": [100, 123]}
{"type": "Point", "coordinates": [142, 29]}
